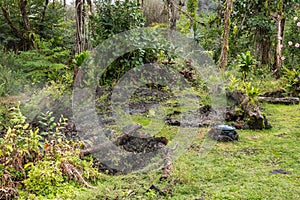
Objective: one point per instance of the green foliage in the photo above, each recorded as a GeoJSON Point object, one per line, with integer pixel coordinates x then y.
{"type": "Point", "coordinates": [139, 37]}
{"type": "Point", "coordinates": [118, 17]}
{"type": "Point", "coordinates": [208, 34]}
{"type": "Point", "coordinates": [114, 18]}
{"type": "Point", "coordinates": [45, 64]}
{"type": "Point", "coordinates": [47, 22]}
{"type": "Point", "coordinates": [43, 165]}
{"type": "Point", "coordinates": [246, 87]}
{"type": "Point", "coordinates": [12, 80]}
{"type": "Point", "coordinates": [51, 129]}
{"type": "Point", "coordinates": [80, 58]}
{"type": "Point", "coordinates": [291, 82]}
{"type": "Point", "coordinates": [291, 38]}
{"type": "Point", "coordinates": [20, 145]}
{"type": "Point", "coordinates": [246, 63]}
{"type": "Point", "coordinates": [252, 92]}
{"type": "Point", "coordinates": [192, 7]}
{"type": "Point", "coordinates": [54, 97]}
{"type": "Point", "coordinates": [44, 178]}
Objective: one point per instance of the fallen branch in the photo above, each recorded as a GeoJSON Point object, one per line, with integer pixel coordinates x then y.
{"type": "Point", "coordinates": [72, 172]}
{"type": "Point", "coordinates": [285, 100]}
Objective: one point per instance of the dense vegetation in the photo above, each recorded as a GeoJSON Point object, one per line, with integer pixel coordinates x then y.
{"type": "Point", "coordinates": [255, 47]}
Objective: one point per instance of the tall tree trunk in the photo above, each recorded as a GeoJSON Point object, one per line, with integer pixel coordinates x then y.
{"type": "Point", "coordinates": [172, 14]}
{"type": "Point", "coordinates": [44, 10]}
{"type": "Point", "coordinates": [79, 45]}
{"type": "Point", "coordinates": [225, 46]}
{"type": "Point", "coordinates": [263, 34]}
{"type": "Point", "coordinates": [280, 22]}
{"type": "Point", "coordinates": [89, 26]}
{"type": "Point", "coordinates": [263, 45]}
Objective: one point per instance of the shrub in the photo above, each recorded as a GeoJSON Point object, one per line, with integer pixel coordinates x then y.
{"type": "Point", "coordinates": [291, 82]}
{"type": "Point", "coordinates": [42, 164]}
{"type": "Point", "coordinates": [44, 178]}
{"type": "Point", "coordinates": [46, 64]}
{"type": "Point", "coordinates": [111, 19]}
{"type": "Point", "coordinates": [12, 80]}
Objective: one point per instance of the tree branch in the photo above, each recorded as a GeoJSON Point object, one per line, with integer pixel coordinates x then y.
{"type": "Point", "coordinates": [44, 11]}
{"type": "Point", "coordinates": [17, 32]}
{"type": "Point", "coordinates": [22, 5]}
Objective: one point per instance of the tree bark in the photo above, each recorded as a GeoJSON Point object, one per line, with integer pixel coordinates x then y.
{"type": "Point", "coordinates": [280, 23]}
{"type": "Point", "coordinates": [24, 37]}
{"type": "Point", "coordinates": [225, 47]}
{"type": "Point", "coordinates": [44, 10]}
{"type": "Point", "coordinates": [172, 14]}
{"type": "Point", "coordinates": [262, 35]}
{"type": "Point", "coordinates": [284, 100]}
{"type": "Point", "coordinates": [79, 45]}
{"type": "Point", "coordinates": [22, 5]}
{"type": "Point", "coordinates": [17, 32]}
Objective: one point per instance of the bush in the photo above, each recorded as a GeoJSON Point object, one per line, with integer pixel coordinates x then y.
{"type": "Point", "coordinates": [12, 80]}
{"type": "Point", "coordinates": [111, 19]}
{"type": "Point", "coordinates": [291, 82]}
{"type": "Point", "coordinates": [44, 178]}
{"type": "Point", "coordinates": [43, 165]}
{"type": "Point", "coordinates": [46, 64]}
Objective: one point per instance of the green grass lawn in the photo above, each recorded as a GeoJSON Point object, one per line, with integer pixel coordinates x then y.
{"type": "Point", "coordinates": [239, 170]}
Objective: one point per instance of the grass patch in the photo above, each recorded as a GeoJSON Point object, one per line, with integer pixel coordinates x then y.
{"type": "Point", "coordinates": [239, 170]}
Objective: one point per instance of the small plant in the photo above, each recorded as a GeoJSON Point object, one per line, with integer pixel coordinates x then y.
{"type": "Point", "coordinates": [19, 146]}
{"type": "Point", "coordinates": [11, 82]}
{"type": "Point", "coordinates": [245, 87]}
{"type": "Point", "coordinates": [291, 82]}
{"type": "Point", "coordinates": [44, 178]}
{"type": "Point", "coordinates": [251, 91]}
{"type": "Point", "coordinates": [80, 58]}
{"type": "Point", "coordinates": [246, 62]}
{"type": "Point", "coordinates": [49, 128]}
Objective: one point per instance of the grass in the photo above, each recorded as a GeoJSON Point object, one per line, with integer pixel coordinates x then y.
{"type": "Point", "coordinates": [239, 170]}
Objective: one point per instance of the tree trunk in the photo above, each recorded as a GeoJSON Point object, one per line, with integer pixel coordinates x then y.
{"type": "Point", "coordinates": [22, 5]}
{"type": "Point", "coordinates": [279, 33]}
{"type": "Point", "coordinates": [172, 14]}
{"type": "Point", "coordinates": [27, 42]}
{"type": "Point", "coordinates": [44, 10]}
{"type": "Point", "coordinates": [225, 47]}
{"type": "Point", "coordinates": [262, 35]}
{"type": "Point", "coordinates": [79, 45]}
{"type": "Point", "coordinates": [16, 31]}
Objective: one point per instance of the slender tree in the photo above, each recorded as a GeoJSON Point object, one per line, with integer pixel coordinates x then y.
{"type": "Point", "coordinates": [82, 14]}
{"type": "Point", "coordinates": [172, 13]}
{"type": "Point", "coordinates": [79, 28]}
{"type": "Point", "coordinates": [280, 23]}
{"type": "Point", "coordinates": [225, 46]}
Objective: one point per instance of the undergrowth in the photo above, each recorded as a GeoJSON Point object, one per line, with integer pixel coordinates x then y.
{"type": "Point", "coordinates": [40, 165]}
